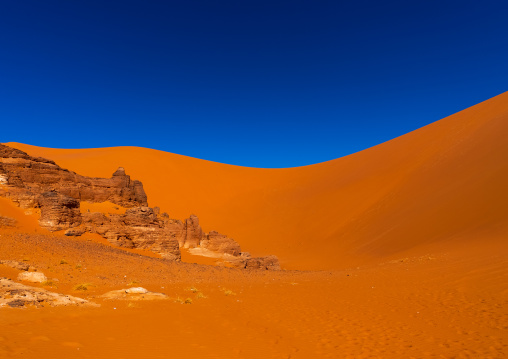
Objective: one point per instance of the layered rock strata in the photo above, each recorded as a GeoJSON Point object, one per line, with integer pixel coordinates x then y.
{"type": "Point", "coordinates": [34, 182]}
{"type": "Point", "coordinates": [25, 177]}
{"type": "Point", "coordinates": [7, 222]}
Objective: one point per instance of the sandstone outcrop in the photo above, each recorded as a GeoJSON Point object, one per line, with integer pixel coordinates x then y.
{"type": "Point", "coordinates": [193, 232]}
{"type": "Point", "coordinates": [7, 222]}
{"type": "Point", "coordinates": [220, 243]}
{"type": "Point", "coordinates": [34, 182]}
{"type": "Point", "coordinates": [16, 265]}
{"type": "Point", "coordinates": [58, 211]}
{"type": "Point", "coordinates": [23, 178]}
{"type": "Point", "coordinates": [16, 295]}
{"type": "Point", "coordinates": [246, 262]}
{"type": "Point", "coordinates": [139, 227]}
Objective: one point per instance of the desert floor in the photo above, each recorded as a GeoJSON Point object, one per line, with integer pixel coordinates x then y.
{"type": "Point", "coordinates": [442, 305]}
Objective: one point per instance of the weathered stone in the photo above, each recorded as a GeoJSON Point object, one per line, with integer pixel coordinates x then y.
{"type": "Point", "coordinates": [137, 228]}
{"type": "Point", "coordinates": [36, 277]}
{"type": "Point", "coordinates": [59, 211]}
{"type": "Point", "coordinates": [17, 295]}
{"type": "Point", "coordinates": [37, 182]}
{"type": "Point", "coordinates": [268, 262]}
{"type": "Point", "coordinates": [193, 232]}
{"type": "Point", "coordinates": [220, 243]}
{"type": "Point", "coordinates": [7, 222]}
{"type": "Point", "coordinates": [265, 263]}
{"type": "Point", "coordinates": [15, 264]}
{"type": "Point", "coordinates": [76, 231]}
{"type": "Point", "coordinates": [136, 290]}
{"type": "Point", "coordinates": [25, 177]}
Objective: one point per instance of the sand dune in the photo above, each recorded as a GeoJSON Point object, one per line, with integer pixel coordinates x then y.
{"type": "Point", "coordinates": [412, 234]}
{"type": "Point", "coordinates": [441, 186]}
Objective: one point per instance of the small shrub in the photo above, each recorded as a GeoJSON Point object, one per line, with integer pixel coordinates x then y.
{"type": "Point", "coordinates": [200, 295]}
{"type": "Point", "coordinates": [63, 261]}
{"type": "Point", "coordinates": [188, 301]}
{"type": "Point", "coordinates": [229, 292]}
{"type": "Point", "coordinates": [48, 283]}
{"type": "Point", "coordinates": [193, 289]}
{"type": "Point", "coordinates": [79, 266]}
{"type": "Point", "coordinates": [83, 286]}
{"type": "Point", "coordinates": [133, 282]}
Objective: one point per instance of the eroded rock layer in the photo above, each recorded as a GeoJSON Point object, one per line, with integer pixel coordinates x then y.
{"type": "Point", "coordinates": [24, 178]}
{"type": "Point", "coordinates": [34, 182]}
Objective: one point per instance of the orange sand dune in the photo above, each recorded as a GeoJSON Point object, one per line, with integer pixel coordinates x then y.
{"type": "Point", "coordinates": [435, 188]}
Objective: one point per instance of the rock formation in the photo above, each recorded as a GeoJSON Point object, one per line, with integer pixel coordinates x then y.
{"type": "Point", "coordinates": [17, 295]}
{"type": "Point", "coordinates": [139, 227]}
{"type": "Point", "coordinates": [34, 182]}
{"type": "Point", "coordinates": [193, 232]}
{"type": "Point", "coordinates": [25, 177]}
{"type": "Point", "coordinates": [217, 242]}
{"type": "Point", "coordinates": [17, 265]}
{"type": "Point", "coordinates": [58, 211]}
{"type": "Point", "coordinates": [247, 262]}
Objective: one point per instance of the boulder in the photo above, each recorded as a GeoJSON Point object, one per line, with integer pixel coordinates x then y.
{"type": "Point", "coordinates": [268, 263]}
{"type": "Point", "coordinates": [264, 263]}
{"type": "Point", "coordinates": [136, 290]}
{"type": "Point", "coordinates": [76, 231]}
{"type": "Point", "coordinates": [220, 243]}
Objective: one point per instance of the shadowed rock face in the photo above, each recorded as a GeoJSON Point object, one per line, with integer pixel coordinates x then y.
{"type": "Point", "coordinates": [58, 211]}
{"type": "Point", "coordinates": [139, 227]}
{"type": "Point", "coordinates": [34, 182]}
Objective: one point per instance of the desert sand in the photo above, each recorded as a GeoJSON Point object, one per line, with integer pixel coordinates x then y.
{"type": "Point", "coordinates": [397, 251]}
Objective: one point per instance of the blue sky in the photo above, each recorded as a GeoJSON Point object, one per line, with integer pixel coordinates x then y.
{"type": "Point", "coordinates": [252, 83]}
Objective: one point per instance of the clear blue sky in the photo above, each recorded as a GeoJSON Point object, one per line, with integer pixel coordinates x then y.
{"type": "Point", "coordinates": [253, 83]}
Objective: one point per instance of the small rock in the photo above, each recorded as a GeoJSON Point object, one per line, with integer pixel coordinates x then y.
{"type": "Point", "coordinates": [36, 277]}
{"type": "Point", "coordinates": [136, 290]}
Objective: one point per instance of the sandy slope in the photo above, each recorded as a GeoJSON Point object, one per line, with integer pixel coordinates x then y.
{"type": "Point", "coordinates": [437, 187]}
{"type": "Point", "coordinates": [440, 306]}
